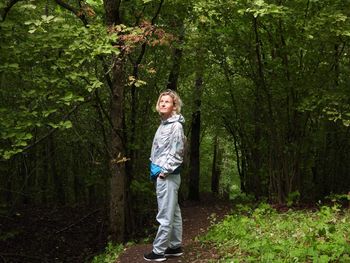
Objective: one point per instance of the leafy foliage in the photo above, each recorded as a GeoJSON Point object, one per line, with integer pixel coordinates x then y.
{"type": "Point", "coordinates": [277, 77]}
{"type": "Point", "coordinates": [57, 64]}
{"type": "Point", "coordinates": [275, 92]}
{"type": "Point", "coordinates": [109, 256]}
{"type": "Point", "coordinates": [265, 235]}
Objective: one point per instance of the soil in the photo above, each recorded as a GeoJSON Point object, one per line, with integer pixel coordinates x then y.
{"type": "Point", "coordinates": [197, 218]}
{"type": "Point", "coordinates": [76, 235]}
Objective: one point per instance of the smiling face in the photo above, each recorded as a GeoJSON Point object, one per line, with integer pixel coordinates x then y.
{"type": "Point", "coordinates": [166, 106]}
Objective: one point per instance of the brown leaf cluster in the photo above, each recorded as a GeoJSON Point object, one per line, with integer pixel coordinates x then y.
{"type": "Point", "coordinates": [145, 33]}
{"type": "Point", "coordinates": [86, 10]}
{"type": "Point", "coordinates": [89, 11]}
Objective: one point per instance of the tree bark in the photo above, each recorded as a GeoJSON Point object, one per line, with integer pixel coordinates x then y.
{"type": "Point", "coordinates": [117, 205]}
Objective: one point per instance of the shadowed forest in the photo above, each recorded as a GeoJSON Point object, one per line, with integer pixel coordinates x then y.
{"type": "Point", "coordinates": [265, 86]}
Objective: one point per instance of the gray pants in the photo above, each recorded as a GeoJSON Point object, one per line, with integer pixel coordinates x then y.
{"type": "Point", "coordinates": [169, 215]}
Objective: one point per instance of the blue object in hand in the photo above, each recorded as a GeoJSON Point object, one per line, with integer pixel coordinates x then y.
{"type": "Point", "coordinates": [154, 171]}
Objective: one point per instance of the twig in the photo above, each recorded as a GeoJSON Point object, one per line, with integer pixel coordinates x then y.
{"type": "Point", "coordinates": [80, 220]}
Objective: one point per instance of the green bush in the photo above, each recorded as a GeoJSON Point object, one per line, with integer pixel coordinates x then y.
{"type": "Point", "coordinates": [264, 235]}
{"type": "Point", "coordinates": [110, 255]}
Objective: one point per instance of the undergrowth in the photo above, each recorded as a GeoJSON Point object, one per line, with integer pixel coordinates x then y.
{"type": "Point", "coordinates": [265, 235]}
{"type": "Point", "coordinates": [111, 253]}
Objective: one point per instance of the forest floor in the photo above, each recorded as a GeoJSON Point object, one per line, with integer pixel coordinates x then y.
{"type": "Point", "coordinates": [75, 235]}
{"type": "Point", "coordinates": [197, 218]}
{"type": "Point", "coordinates": [52, 235]}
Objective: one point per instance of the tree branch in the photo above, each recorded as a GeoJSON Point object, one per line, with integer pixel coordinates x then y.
{"type": "Point", "coordinates": [7, 8]}
{"type": "Point", "coordinates": [143, 48]}
{"type": "Point", "coordinates": [78, 12]}
{"type": "Point", "coordinates": [105, 113]}
{"type": "Point", "coordinates": [106, 75]}
{"type": "Point", "coordinates": [157, 12]}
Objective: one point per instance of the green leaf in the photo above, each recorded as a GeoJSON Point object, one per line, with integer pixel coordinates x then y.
{"type": "Point", "coordinates": [65, 124]}
{"type": "Point", "coordinates": [46, 113]}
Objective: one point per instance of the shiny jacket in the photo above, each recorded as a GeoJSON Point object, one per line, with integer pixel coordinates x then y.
{"type": "Point", "coordinates": [168, 144]}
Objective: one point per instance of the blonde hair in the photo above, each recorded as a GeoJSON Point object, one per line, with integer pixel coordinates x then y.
{"type": "Point", "coordinates": [176, 100]}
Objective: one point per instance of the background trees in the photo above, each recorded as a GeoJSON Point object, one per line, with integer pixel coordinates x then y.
{"type": "Point", "coordinates": [78, 82]}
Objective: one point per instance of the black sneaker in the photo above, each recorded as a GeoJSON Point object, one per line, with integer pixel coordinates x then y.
{"type": "Point", "coordinates": [154, 257]}
{"type": "Point", "coordinates": [173, 252]}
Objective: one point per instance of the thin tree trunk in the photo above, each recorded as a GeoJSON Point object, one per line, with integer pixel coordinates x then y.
{"type": "Point", "coordinates": [57, 180]}
{"type": "Point", "coordinates": [195, 142]}
{"type": "Point", "coordinates": [216, 171]}
{"type": "Point", "coordinates": [8, 194]}
{"type": "Point", "coordinates": [177, 57]}
{"type": "Point", "coordinates": [253, 180]}
{"type": "Point", "coordinates": [45, 174]}
{"type": "Point", "coordinates": [78, 180]}
{"type": "Point", "coordinates": [25, 174]}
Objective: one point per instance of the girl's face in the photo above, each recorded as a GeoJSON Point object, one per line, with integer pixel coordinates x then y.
{"type": "Point", "coordinates": [166, 106]}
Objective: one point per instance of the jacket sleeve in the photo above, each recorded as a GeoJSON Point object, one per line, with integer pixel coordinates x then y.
{"type": "Point", "coordinates": [174, 157]}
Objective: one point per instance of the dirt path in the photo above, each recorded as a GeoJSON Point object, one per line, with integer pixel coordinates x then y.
{"type": "Point", "coordinates": [197, 218]}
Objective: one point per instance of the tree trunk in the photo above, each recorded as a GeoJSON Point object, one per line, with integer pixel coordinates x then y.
{"type": "Point", "coordinates": [177, 57]}
{"type": "Point", "coordinates": [57, 179]}
{"type": "Point", "coordinates": [195, 141]}
{"type": "Point", "coordinates": [216, 171]}
{"type": "Point", "coordinates": [175, 70]}
{"type": "Point", "coordinates": [45, 174]}
{"type": "Point", "coordinates": [253, 179]}
{"type": "Point", "coordinates": [25, 174]}
{"type": "Point", "coordinates": [118, 205]}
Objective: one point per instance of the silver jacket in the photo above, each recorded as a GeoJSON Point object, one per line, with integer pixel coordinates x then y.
{"type": "Point", "coordinates": [168, 144]}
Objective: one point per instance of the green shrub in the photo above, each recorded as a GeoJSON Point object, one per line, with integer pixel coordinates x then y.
{"type": "Point", "coordinates": [264, 235]}
{"type": "Point", "coordinates": [110, 255]}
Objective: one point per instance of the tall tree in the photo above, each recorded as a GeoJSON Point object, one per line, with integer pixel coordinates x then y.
{"type": "Point", "coordinates": [118, 204]}
{"type": "Point", "coordinates": [193, 192]}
